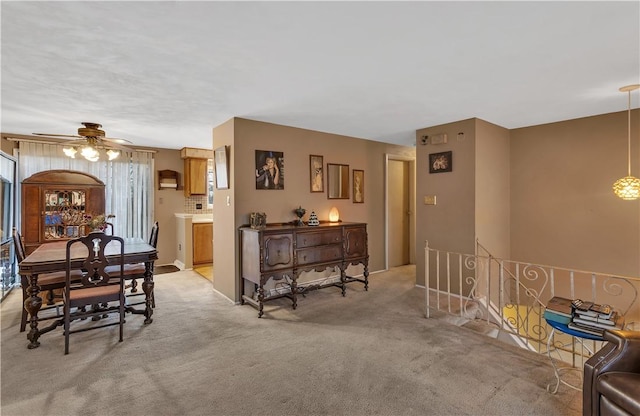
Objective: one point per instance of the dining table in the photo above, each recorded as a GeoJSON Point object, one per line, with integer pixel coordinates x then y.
{"type": "Point", "coordinates": [52, 257]}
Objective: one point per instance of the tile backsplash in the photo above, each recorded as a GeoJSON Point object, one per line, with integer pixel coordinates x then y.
{"type": "Point", "coordinates": [191, 203]}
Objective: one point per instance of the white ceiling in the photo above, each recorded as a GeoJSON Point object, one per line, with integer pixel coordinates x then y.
{"type": "Point", "coordinates": [163, 74]}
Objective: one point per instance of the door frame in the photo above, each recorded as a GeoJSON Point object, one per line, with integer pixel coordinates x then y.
{"type": "Point", "coordinates": [412, 206]}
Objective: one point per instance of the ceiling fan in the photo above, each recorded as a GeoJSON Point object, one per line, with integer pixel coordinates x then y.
{"type": "Point", "coordinates": [91, 141]}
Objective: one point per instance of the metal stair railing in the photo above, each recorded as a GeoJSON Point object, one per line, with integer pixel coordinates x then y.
{"type": "Point", "coordinates": [511, 296]}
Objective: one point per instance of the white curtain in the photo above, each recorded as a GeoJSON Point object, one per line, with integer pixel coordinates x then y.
{"type": "Point", "coordinates": [128, 182]}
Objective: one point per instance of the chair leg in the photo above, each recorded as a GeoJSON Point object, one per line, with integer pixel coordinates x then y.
{"type": "Point", "coordinates": [23, 318]}
{"type": "Point", "coordinates": [66, 329]}
{"type": "Point", "coordinates": [121, 317]}
{"type": "Point", "coordinates": [50, 297]}
{"type": "Point", "coordinates": [134, 286]}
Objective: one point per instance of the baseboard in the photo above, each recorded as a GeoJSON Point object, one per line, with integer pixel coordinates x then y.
{"type": "Point", "coordinates": [178, 264]}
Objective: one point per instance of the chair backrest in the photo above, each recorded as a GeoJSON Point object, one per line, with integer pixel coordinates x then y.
{"type": "Point", "coordinates": [153, 238]}
{"type": "Point", "coordinates": [96, 261]}
{"type": "Point", "coordinates": [19, 247]}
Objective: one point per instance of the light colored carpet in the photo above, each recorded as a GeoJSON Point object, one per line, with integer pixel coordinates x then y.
{"type": "Point", "coordinates": [369, 353]}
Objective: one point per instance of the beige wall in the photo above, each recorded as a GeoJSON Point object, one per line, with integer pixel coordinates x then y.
{"type": "Point", "coordinates": [167, 202]}
{"type": "Point", "coordinates": [450, 224]}
{"type": "Point", "coordinates": [492, 189]}
{"type": "Point", "coordinates": [247, 136]}
{"type": "Point", "coordinates": [563, 210]}
{"type": "Point", "coordinates": [225, 230]}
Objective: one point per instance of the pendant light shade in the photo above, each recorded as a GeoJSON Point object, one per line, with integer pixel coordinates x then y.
{"type": "Point", "coordinates": [628, 188]}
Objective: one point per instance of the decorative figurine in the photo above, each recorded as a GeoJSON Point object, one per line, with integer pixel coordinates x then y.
{"type": "Point", "coordinates": [300, 213]}
{"type": "Point", "coordinates": [313, 219]}
{"type": "Point", "coordinates": [258, 220]}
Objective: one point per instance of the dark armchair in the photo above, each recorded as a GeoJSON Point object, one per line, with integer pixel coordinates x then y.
{"type": "Point", "coordinates": [612, 376]}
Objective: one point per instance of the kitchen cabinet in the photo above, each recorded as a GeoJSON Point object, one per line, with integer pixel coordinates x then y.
{"type": "Point", "coordinates": [202, 243]}
{"type": "Point", "coordinates": [195, 177]}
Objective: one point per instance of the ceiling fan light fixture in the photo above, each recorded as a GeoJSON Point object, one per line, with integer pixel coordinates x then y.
{"type": "Point", "coordinates": [113, 154]}
{"type": "Point", "coordinates": [70, 151]}
{"type": "Point", "coordinates": [628, 188]}
{"type": "Point", "coordinates": [90, 153]}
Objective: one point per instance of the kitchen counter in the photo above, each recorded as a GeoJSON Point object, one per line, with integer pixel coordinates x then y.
{"type": "Point", "coordinates": [184, 233]}
{"type": "Point", "coordinates": [197, 218]}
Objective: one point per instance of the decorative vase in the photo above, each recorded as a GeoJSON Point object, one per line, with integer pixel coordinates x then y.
{"type": "Point", "coordinates": [299, 213]}
{"type": "Point", "coordinates": [313, 219]}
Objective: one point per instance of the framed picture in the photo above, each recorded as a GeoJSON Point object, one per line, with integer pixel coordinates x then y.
{"type": "Point", "coordinates": [269, 169]}
{"type": "Point", "coordinates": [316, 174]}
{"type": "Point", "coordinates": [440, 162]}
{"type": "Point", "coordinates": [221, 160]}
{"type": "Point", "coordinates": [358, 186]}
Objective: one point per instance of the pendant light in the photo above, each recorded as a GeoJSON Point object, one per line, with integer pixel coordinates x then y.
{"type": "Point", "coordinates": [628, 188]}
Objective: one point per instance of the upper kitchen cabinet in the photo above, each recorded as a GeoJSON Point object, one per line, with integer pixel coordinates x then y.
{"type": "Point", "coordinates": [195, 170]}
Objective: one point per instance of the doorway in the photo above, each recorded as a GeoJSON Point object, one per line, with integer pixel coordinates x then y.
{"type": "Point", "coordinates": [400, 206]}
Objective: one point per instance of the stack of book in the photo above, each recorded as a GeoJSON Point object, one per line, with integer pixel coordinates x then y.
{"type": "Point", "coordinates": [559, 310]}
{"type": "Point", "coordinates": [593, 318]}
{"type": "Point", "coordinates": [586, 317]}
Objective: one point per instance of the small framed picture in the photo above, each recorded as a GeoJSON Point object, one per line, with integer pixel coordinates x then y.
{"type": "Point", "coordinates": [440, 162]}
{"type": "Point", "coordinates": [221, 160]}
{"type": "Point", "coordinates": [358, 186]}
{"type": "Point", "coordinates": [316, 174]}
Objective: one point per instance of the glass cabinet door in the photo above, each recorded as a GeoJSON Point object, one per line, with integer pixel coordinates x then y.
{"type": "Point", "coordinates": [64, 213]}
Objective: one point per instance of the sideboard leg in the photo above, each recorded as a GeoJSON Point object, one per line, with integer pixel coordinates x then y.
{"type": "Point", "coordinates": [366, 275]}
{"type": "Point", "coordinates": [294, 289]}
{"type": "Point", "coordinates": [261, 299]}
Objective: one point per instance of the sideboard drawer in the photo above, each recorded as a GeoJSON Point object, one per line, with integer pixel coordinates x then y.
{"type": "Point", "coordinates": [318, 238]}
{"type": "Point", "coordinates": [278, 252]}
{"type": "Point", "coordinates": [325, 254]}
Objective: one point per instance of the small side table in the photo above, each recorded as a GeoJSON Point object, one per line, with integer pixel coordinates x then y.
{"type": "Point", "coordinates": [581, 336]}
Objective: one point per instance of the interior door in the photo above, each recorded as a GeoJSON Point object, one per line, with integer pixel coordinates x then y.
{"type": "Point", "coordinates": [399, 212]}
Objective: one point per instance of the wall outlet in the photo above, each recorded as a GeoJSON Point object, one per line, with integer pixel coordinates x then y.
{"type": "Point", "coordinates": [198, 206]}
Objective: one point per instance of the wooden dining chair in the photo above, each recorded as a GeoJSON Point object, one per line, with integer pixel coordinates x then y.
{"type": "Point", "coordinates": [132, 272]}
{"type": "Point", "coordinates": [48, 282]}
{"type": "Point", "coordinates": [94, 288]}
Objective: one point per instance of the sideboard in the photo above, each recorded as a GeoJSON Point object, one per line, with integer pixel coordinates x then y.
{"type": "Point", "coordinates": [282, 252]}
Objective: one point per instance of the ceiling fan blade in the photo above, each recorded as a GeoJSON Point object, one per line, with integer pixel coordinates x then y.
{"type": "Point", "coordinates": [57, 135]}
{"type": "Point", "coordinates": [115, 140]}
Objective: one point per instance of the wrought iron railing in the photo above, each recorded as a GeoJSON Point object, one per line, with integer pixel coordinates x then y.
{"type": "Point", "coordinates": [510, 296]}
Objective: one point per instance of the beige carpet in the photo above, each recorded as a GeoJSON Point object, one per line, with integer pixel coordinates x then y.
{"type": "Point", "coordinates": [369, 353]}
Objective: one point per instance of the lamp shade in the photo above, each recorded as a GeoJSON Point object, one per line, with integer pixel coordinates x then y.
{"type": "Point", "coordinates": [627, 188]}
{"type": "Point", "coordinates": [334, 215]}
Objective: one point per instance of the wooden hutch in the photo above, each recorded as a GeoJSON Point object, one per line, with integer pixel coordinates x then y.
{"type": "Point", "coordinates": [54, 203]}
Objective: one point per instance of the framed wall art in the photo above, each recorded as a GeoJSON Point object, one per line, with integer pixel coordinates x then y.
{"type": "Point", "coordinates": [316, 174]}
{"type": "Point", "coordinates": [221, 161]}
{"type": "Point", "coordinates": [269, 169]}
{"type": "Point", "coordinates": [358, 186]}
{"type": "Point", "coordinates": [440, 162]}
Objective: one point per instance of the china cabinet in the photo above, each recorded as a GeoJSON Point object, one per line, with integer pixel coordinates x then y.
{"type": "Point", "coordinates": [54, 203]}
